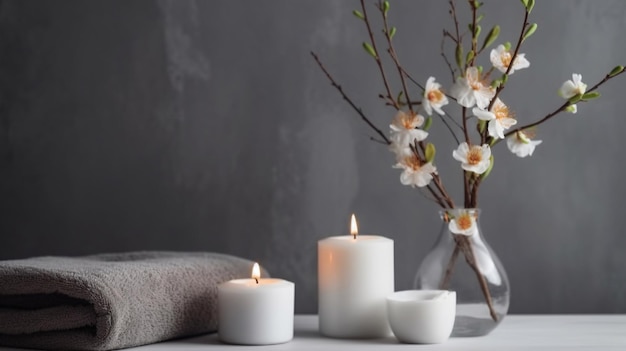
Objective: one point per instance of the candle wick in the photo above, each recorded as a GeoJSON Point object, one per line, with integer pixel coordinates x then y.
{"type": "Point", "coordinates": [354, 236]}
{"type": "Point", "coordinates": [257, 280]}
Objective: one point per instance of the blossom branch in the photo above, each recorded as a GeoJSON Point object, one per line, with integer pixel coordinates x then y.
{"type": "Point", "coordinates": [508, 69]}
{"type": "Point", "coordinates": [377, 57]}
{"type": "Point", "coordinates": [483, 136]}
{"type": "Point", "coordinates": [346, 98]}
{"type": "Point", "coordinates": [564, 106]}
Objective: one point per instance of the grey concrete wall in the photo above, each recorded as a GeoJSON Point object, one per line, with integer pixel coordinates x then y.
{"type": "Point", "coordinates": [205, 125]}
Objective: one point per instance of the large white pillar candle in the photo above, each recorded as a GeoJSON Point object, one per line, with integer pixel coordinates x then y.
{"type": "Point", "coordinates": [355, 275]}
{"type": "Point", "coordinates": [256, 311]}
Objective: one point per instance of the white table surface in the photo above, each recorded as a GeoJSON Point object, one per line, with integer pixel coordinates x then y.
{"type": "Point", "coordinates": [517, 332]}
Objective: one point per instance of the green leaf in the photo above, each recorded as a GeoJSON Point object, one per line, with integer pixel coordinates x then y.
{"type": "Point", "coordinates": [358, 14]}
{"type": "Point", "coordinates": [481, 125]}
{"type": "Point", "coordinates": [591, 95]}
{"type": "Point", "coordinates": [574, 99]}
{"type": "Point", "coordinates": [369, 49]}
{"type": "Point", "coordinates": [479, 18]}
{"type": "Point", "coordinates": [399, 98]}
{"type": "Point", "coordinates": [428, 123]}
{"type": "Point", "coordinates": [504, 78]}
{"type": "Point", "coordinates": [491, 36]}
{"type": "Point", "coordinates": [385, 7]}
{"type": "Point", "coordinates": [486, 174]}
{"type": "Point", "coordinates": [617, 70]}
{"type": "Point", "coordinates": [531, 4]}
{"type": "Point", "coordinates": [470, 56]}
{"type": "Point", "coordinates": [477, 31]}
{"type": "Point", "coordinates": [525, 3]}
{"type": "Point", "coordinates": [507, 46]}
{"type": "Point", "coordinates": [480, 69]}
{"type": "Point", "coordinates": [530, 31]}
{"type": "Point", "coordinates": [459, 55]}
{"type": "Point", "coordinates": [430, 152]}
{"type": "Point", "coordinates": [496, 83]}
{"type": "Point", "coordinates": [392, 32]}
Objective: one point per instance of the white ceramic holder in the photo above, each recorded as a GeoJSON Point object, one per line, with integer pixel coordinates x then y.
{"type": "Point", "coordinates": [422, 316]}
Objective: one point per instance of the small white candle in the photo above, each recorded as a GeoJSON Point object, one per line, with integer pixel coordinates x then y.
{"type": "Point", "coordinates": [355, 275]}
{"type": "Point", "coordinates": [256, 311]}
{"type": "Point", "coordinates": [422, 316]}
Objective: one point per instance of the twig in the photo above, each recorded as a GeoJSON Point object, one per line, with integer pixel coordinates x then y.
{"type": "Point", "coordinates": [471, 261]}
{"type": "Point", "coordinates": [474, 37]}
{"type": "Point", "coordinates": [408, 75]}
{"type": "Point", "coordinates": [445, 57]}
{"type": "Point", "coordinates": [390, 96]}
{"type": "Point", "coordinates": [378, 141]}
{"type": "Point", "coordinates": [443, 191]}
{"type": "Point", "coordinates": [345, 97]}
{"type": "Point", "coordinates": [449, 128]}
{"type": "Point", "coordinates": [437, 199]}
{"type": "Point", "coordinates": [392, 53]}
{"type": "Point", "coordinates": [474, 194]}
{"type": "Point", "coordinates": [450, 267]}
{"type": "Point", "coordinates": [456, 22]}
{"type": "Point", "coordinates": [464, 121]}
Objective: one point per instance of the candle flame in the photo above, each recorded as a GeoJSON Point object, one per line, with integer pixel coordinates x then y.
{"type": "Point", "coordinates": [354, 229]}
{"type": "Point", "coordinates": [256, 272]}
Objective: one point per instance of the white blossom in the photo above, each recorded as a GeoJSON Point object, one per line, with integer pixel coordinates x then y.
{"type": "Point", "coordinates": [500, 118]}
{"type": "Point", "coordinates": [573, 87]}
{"type": "Point", "coordinates": [473, 159]}
{"type": "Point", "coordinates": [464, 224]}
{"type": "Point", "coordinates": [434, 98]}
{"type": "Point", "coordinates": [415, 173]}
{"type": "Point", "coordinates": [405, 129]}
{"type": "Point", "coordinates": [501, 59]}
{"type": "Point", "coordinates": [521, 144]}
{"type": "Point", "coordinates": [470, 90]}
{"type": "Point", "coordinates": [571, 109]}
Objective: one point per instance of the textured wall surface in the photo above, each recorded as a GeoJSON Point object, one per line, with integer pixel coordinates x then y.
{"type": "Point", "coordinates": [205, 125]}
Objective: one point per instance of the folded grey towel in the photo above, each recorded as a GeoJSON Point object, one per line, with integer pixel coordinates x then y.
{"type": "Point", "coordinates": [111, 301]}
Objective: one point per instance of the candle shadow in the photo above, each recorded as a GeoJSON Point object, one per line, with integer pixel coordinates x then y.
{"type": "Point", "coordinates": [315, 335]}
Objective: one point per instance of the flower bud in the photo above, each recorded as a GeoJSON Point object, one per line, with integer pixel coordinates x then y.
{"type": "Point", "coordinates": [369, 49]}
{"type": "Point", "coordinates": [427, 123]}
{"type": "Point", "coordinates": [491, 36]}
{"type": "Point", "coordinates": [430, 152]}
{"type": "Point", "coordinates": [358, 14]}
{"type": "Point", "coordinates": [392, 32]}
{"type": "Point", "coordinates": [617, 70]}
{"type": "Point", "coordinates": [530, 31]}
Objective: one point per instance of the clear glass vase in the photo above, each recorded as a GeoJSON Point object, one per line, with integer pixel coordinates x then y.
{"type": "Point", "coordinates": [467, 264]}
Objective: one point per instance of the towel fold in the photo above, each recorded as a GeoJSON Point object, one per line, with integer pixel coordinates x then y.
{"type": "Point", "coordinates": [111, 301]}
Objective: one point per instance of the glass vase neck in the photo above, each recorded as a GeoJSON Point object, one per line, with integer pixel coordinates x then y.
{"type": "Point", "coordinates": [455, 212]}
